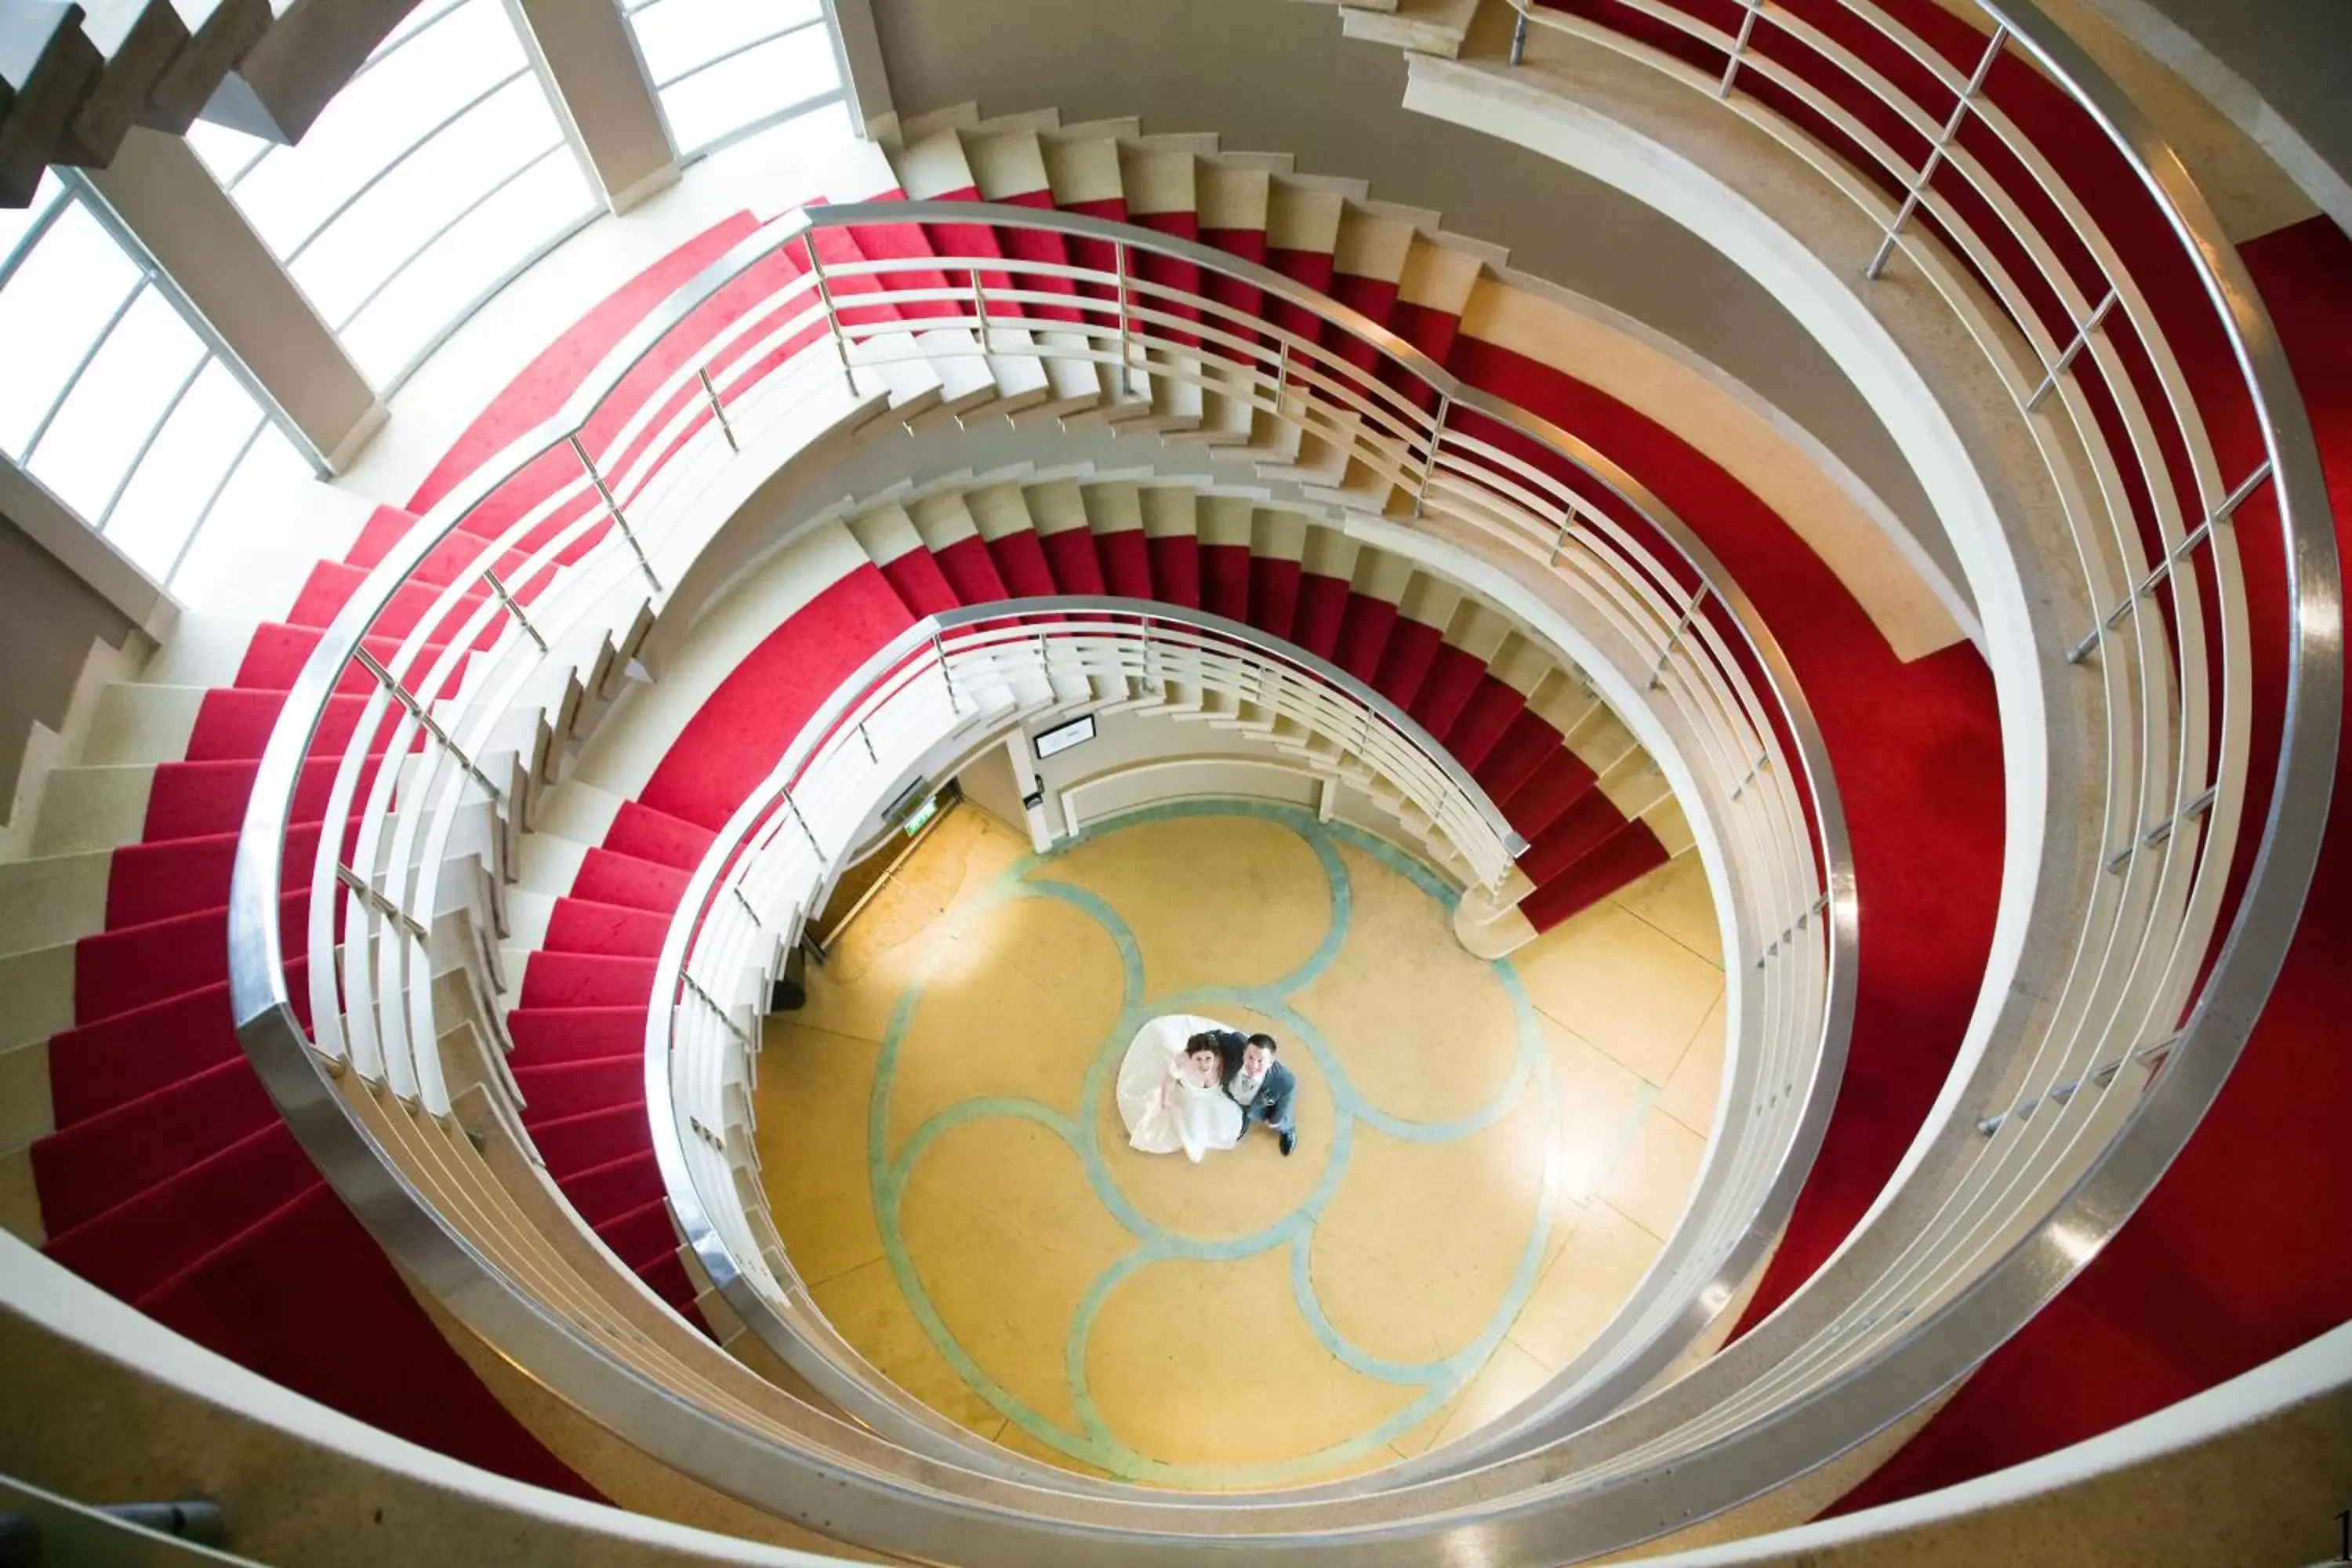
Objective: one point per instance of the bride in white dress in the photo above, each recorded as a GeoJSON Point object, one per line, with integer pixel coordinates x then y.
{"type": "Point", "coordinates": [1171, 1099]}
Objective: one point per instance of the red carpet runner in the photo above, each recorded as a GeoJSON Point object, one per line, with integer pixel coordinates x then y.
{"type": "Point", "coordinates": [171, 1180]}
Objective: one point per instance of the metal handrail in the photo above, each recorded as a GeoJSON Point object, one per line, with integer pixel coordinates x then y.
{"type": "Point", "coordinates": [2145, 973]}
{"type": "Point", "coordinates": [1453, 474]}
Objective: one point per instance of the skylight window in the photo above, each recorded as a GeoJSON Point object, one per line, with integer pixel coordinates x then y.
{"type": "Point", "coordinates": [434, 175]}
{"type": "Point", "coordinates": [114, 398]}
{"type": "Point", "coordinates": [723, 69]}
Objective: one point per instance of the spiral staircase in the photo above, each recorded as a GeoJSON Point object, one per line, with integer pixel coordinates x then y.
{"type": "Point", "coordinates": [391, 974]}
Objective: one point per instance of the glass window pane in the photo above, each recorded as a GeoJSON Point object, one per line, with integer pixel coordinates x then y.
{"type": "Point", "coordinates": [52, 310]}
{"type": "Point", "coordinates": [227, 153]}
{"type": "Point", "coordinates": [116, 404]}
{"type": "Point", "coordinates": [375, 121]}
{"type": "Point", "coordinates": [736, 92]}
{"type": "Point", "coordinates": [215, 575]}
{"type": "Point", "coordinates": [378, 233]}
{"type": "Point", "coordinates": [167, 496]}
{"type": "Point", "coordinates": [676, 36]}
{"type": "Point", "coordinates": [426, 13]}
{"type": "Point", "coordinates": [448, 111]}
{"type": "Point", "coordinates": [807, 145]}
{"type": "Point", "coordinates": [543, 204]}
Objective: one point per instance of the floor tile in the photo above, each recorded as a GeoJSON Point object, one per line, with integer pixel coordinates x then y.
{"type": "Point", "coordinates": [865, 1306]}
{"type": "Point", "coordinates": [1600, 1104]}
{"type": "Point", "coordinates": [1652, 1181]}
{"type": "Point", "coordinates": [1201, 1364]}
{"type": "Point", "coordinates": [811, 1105]}
{"type": "Point", "coordinates": [1605, 1258]}
{"type": "Point", "coordinates": [1621, 985]}
{"type": "Point", "coordinates": [1007, 1236]}
{"type": "Point", "coordinates": [1509, 1377]}
{"type": "Point", "coordinates": [985, 1025]}
{"type": "Point", "coordinates": [1429, 1030]}
{"type": "Point", "coordinates": [1691, 1092]}
{"type": "Point", "coordinates": [1676, 899]}
{"type": "Point", "coordinates": [1212, 900]}
{"type": "Point", "coordinates": [1405, 1265]}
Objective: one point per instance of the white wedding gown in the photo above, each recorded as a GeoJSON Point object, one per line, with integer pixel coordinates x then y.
{"type": "Point", "coordinates": [1164, 1111]}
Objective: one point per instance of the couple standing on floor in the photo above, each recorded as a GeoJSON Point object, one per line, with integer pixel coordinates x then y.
{"type": "Point", "coordinates": [1189, 1084]}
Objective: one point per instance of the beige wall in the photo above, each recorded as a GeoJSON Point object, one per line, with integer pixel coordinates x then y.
{"type": "Point", "coordinates": [583, 53]}
{"type": "Point", "coordinates": [1279, 77]}
{"type": "Point", "coordinates": [49, 621]}
{"type": "Point", "coordinates": [2276, 68]}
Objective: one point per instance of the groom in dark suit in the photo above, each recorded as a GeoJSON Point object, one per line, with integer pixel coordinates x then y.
{"type": "Point", "coordinates": [1261, 1085]}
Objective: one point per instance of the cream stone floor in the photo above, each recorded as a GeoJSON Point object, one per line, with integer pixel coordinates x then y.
{"type": "Point", "coordinates": [1490, 1155]}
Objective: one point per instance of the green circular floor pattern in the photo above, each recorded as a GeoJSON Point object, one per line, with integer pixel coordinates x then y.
{"type": "Point", "coordinates": [1432, 1383]}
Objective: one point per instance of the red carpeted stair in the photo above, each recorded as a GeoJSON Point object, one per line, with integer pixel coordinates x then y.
{"type": "Point", "coordinates": [1916, 749]}
{"type": "Point", "coordinates": [580, 1030]}
{"type": "Point", "coordinates": [2231, 1260]}
{"type": "Point", "coordinates": [170, 1179]}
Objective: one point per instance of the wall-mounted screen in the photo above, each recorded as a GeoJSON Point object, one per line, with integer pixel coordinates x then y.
{"type": "Point", "coordinates": [1053, 742]}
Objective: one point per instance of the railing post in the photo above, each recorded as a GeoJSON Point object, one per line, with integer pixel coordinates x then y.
{"type": "Point", "coordinates": [425, 719]}
{"type": "Point", "coordinates": [1429, 463]}
{"type": "Point", "coordinates": [754, 914]}
{"type": "Point", "coordinates": [368, 894]}
{"type": "Point", "coordinates": [1772, 949]}
{"type": "Point", "coordinates": [2222, 513]}
{"type": "Point", "coordinates": [718, 409]}
{"type": "Point", "coordinates": [802, 823]}
{"type": "Point", "coordinates": [2162, 828]}
{"type": "Point", "coordinates": [2049, 382]}
{"type": "Point", "coordinates": [870, 754]}
{"type": "Point", "coordinates": [613, 506]}
{"type": "Point", "coordinates": [1560, 540]}
{"type": "Point", "coordinates": [1762, 760]}
{"type": "Point", "coordinates": [726, 1019]}
{"type": "Point", "coordinates": [1519, 32]}
{"type": "Point", "coordinates": [832, 317]}
{"type": "Point", "coordinates": [1675, 637]}
{"type": "Point", "coordinates": [1738, 47]}
{"type": "Point", "coordinates": [980, 306]}
{"type": "Point", "coordinates": [946, 679]}
{"type": "Point", "coordinates": [512, 608]}
{"type": "Point", "coordinates": [1126, 330]}
{"type": "Point", "coordinates": [1934, 158]}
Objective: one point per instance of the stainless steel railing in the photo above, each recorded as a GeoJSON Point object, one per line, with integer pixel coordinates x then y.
{"type": "Point", "coordinates": [561, 543]}
{"type": "Point", "coordinates": [2001, 167]}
